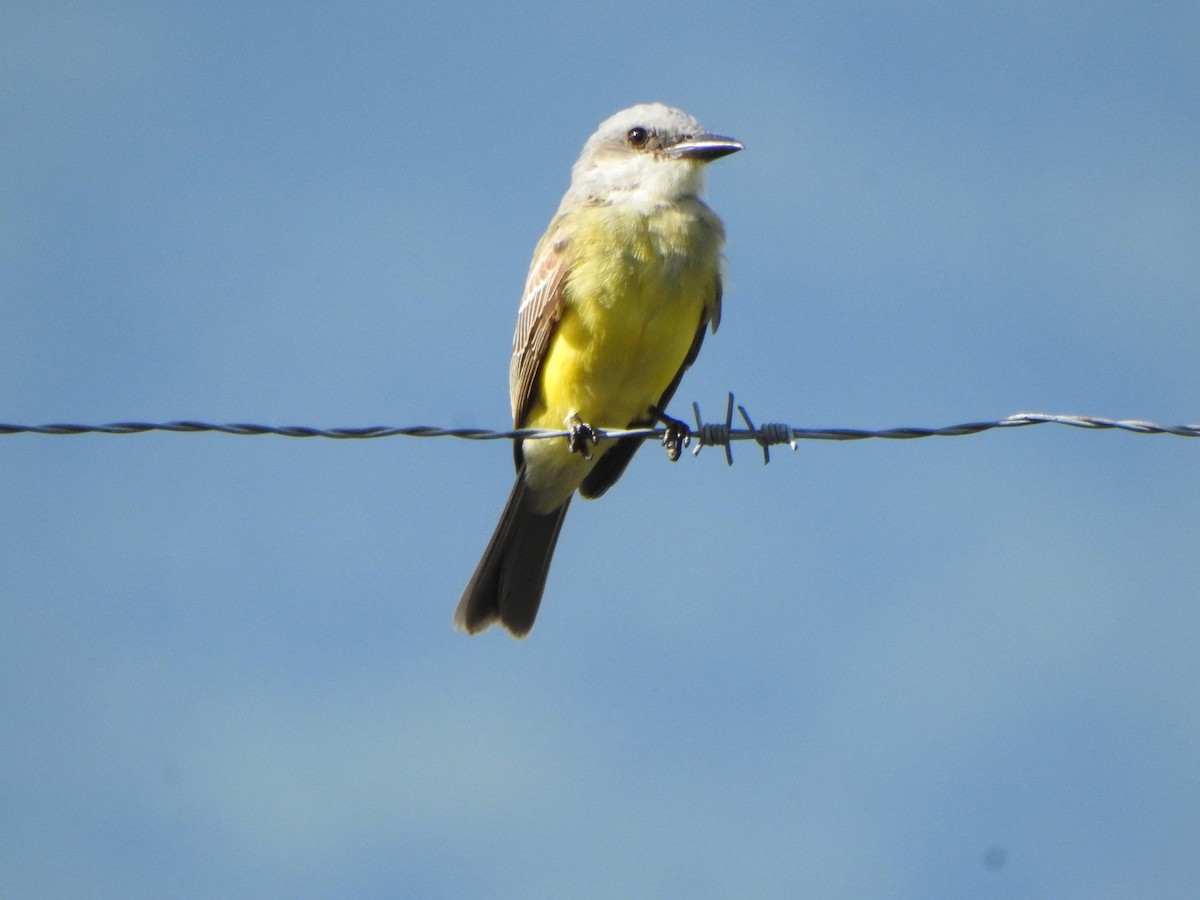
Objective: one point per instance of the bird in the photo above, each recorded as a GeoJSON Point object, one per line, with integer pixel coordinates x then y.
{"type": "Point", "coordinates": [620, 292]}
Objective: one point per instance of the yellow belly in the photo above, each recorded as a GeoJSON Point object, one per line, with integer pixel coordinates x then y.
{"type": "Point", "coordinates": [639, 288]}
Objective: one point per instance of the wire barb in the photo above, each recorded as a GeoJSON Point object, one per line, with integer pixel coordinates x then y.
{"type": "Point", "coordinates": [714, 434]}
{"type": "Point", "coordinates": [771, 433]}
{"type": "Point", "coordinates": [707, 434]}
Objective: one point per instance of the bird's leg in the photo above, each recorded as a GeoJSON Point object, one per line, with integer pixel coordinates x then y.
{"type": "Point", "coordinates": [579, 434]}
{"type": "Point", "coordinates": [677, 435]}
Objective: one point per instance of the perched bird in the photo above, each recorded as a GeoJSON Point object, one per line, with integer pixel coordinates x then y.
{"type": "Point", "coordinates": [621, 289]}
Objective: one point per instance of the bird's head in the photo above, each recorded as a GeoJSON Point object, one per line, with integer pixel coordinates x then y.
{"type": "Point", "coordinates": [651, 148]}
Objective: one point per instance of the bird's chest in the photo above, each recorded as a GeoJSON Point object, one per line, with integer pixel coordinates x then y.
{"type": "Point", "coordinates": [640, 288]}
{"type": "Point", "coordinates": [636, 296]}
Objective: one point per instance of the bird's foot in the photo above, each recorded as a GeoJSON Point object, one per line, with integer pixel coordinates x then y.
{"type": "Point", "coordinates": [676, 437]}
{"type": "Point", "coordinates": [581, 437]}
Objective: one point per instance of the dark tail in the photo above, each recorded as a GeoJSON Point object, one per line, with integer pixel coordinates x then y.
{"type": "Point", "coordinates": [508, 582]}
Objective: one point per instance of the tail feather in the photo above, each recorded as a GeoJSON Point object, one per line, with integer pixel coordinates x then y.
{"type": "Point", "coordinates": [508, 582]}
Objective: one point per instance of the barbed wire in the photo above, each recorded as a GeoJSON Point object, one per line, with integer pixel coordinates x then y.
{"type": "Point", "coordinates": [704, 434]}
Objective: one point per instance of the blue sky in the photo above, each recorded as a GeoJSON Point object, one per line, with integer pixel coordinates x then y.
{"type": "Point", "coordinates": [952, 667]}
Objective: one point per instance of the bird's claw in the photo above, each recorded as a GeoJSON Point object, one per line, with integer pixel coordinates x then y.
{"type": "Point", "coordinates": [581, 437]}
{"type": "Point", "coordinates": [676, 437]}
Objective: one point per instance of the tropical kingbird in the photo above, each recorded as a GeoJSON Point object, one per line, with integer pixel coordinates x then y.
{"type": "Point", "coordinates": [621, 289]}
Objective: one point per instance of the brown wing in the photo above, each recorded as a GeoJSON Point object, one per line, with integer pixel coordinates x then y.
{"type": "Point", "coordinates": [611, 465]}
{"type": "Point", "coordinates": [541, 307]}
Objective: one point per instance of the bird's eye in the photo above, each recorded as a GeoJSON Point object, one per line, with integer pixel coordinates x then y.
{"type": "Point", "coordinates": [637, 136]}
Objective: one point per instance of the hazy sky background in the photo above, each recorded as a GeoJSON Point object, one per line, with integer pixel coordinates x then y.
{"type": "Point", "coordinates": [962, 667]}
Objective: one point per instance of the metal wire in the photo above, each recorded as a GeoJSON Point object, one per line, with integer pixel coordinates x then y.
{"type": "Point", "coordinates": [704, 434]}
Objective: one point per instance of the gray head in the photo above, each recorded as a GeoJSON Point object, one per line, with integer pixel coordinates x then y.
{"type": "Point", "coordinates": [651, 148]}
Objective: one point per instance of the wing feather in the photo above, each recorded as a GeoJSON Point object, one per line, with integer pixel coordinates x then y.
{"type": "Point", "coordinates": [541, 308]}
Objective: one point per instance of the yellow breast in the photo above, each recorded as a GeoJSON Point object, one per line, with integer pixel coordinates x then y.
{"type": "Point", "coordinates": [640, 286]}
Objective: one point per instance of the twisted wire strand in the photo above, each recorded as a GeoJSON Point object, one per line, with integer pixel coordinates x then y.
{"type": "Point", "coordinates": [704, 434]}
